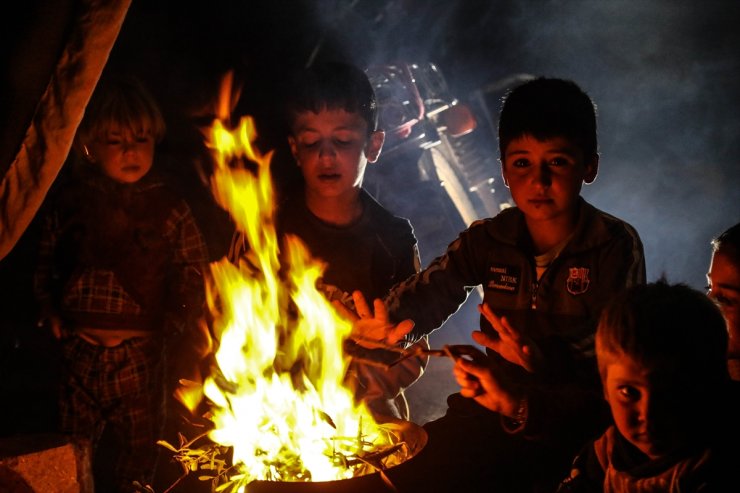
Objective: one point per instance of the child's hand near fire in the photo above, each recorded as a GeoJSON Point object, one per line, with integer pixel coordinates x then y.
{"type": "Point", "coordinates": [512, 345]}
{"type": "Point", "coordinates": [476, 374]}
{"type": "Point", "coordinates": [371, 328]}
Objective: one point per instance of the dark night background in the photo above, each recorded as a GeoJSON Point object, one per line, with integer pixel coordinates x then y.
{"type": "Point", "coordinates": [664, 76]}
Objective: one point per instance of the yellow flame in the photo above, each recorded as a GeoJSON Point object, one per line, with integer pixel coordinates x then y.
{"type": "Point", "coordinates": [280, 399]}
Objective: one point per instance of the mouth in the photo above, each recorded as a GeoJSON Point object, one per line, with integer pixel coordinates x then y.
{"type": "Point", "coordinates": [642, 437]}
{"type": "Point", "coordinates": [653, 442]}
{"type": "Point", "coordinates": [540, 201]}
{"type": "Point", "coordinates": [131, 168]}
{"type": "Point", "coordinates": [329, 177]}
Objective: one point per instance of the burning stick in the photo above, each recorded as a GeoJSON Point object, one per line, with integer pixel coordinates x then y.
{"type": "Point", "coordinates": [389, 356]}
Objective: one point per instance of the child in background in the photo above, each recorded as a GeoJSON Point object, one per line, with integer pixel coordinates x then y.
{"type": "Point", "coordinates": [120, 269]}
{"type": "Point", "coordinates": [547, 267]}
{"type": "Point", "coordinates": [332, 117]}
{"type": "Point", "coordinates": [661, 351]}
{"type": "Point", "coordinates": [723, 281]}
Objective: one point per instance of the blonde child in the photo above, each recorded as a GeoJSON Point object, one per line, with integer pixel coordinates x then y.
{"type": "Point", "coordinates": [120, 269]}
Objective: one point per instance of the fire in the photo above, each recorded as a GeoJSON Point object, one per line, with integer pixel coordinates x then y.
{"type": "Point", "coordinates": [279, 396]}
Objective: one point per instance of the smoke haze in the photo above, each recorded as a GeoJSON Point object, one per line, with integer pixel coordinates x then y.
{"type": "Point", "coordinates": [663, 75]}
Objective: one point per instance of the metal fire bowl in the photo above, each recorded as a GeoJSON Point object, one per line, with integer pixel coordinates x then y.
{"type": "Point", "coordinates": [414, 435]}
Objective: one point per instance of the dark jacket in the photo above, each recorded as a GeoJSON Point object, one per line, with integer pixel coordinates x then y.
{"type": "Point", "coordinates": [603, 256]}
{"type": "Point", "coordinates": [371, 255]}
{"type": "Point", "coordinates": [559, 312]}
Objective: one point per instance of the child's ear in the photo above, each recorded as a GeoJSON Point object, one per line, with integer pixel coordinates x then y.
{"type": "Point", "coordinates": [374, 146]}
{"type": "Point", "coordinates": [592, 169]}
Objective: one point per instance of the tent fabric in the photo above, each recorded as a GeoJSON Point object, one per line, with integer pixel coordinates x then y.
{"type": "Point", "coordinates": [48, 138]}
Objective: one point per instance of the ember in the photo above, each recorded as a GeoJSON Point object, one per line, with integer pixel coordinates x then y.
{"type": "Point", "coordinates": [279, 407]}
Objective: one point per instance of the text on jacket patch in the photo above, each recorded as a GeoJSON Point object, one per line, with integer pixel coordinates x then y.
{"type": "Point", "coordinates": [504, 278]}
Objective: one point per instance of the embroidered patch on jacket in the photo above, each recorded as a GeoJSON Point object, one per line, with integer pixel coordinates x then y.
{"type": "Point", "coordinates": [504, 278]}
{"type": "Point", "coordinates": [578, 280]}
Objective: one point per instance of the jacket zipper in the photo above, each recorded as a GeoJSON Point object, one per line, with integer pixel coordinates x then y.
{"type": "Point", "coordinates": [536, 283]}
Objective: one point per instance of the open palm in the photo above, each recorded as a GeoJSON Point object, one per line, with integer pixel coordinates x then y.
{"type": "Point", "coordinates": [371, 328]}
{"type": "Point", "coordinates": [511, 344]}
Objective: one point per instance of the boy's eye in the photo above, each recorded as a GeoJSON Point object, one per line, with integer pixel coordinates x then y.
{"type": "Point", "coordinates": [118, 141]}
{"type": "Point", "coordinates": [629, 393]}
{"type": "Point", "coordinates": [520, 163]}
{"type": "Point", "coordinates": [345, 137]}
{"type": "Point", "coordinates": [725, 302]}
{"type": "Point", "coordinates": [721, 299]}
{"type": "Point", "coordinates": [559, 162]}
{"type": "Point", "coordinates": [308, 144]}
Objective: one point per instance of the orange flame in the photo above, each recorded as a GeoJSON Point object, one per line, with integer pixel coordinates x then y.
{"type": "Point", "coordinates": [279, 398]}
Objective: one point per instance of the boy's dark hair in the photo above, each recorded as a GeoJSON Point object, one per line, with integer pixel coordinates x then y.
{"type": "Point", "coordinates": [546, 108]}
{"type": "Point", "coordinates": [664, 326]}
{"type": "Point", "coordinates": [124, 101]}
{"type": "Point", "coordinates": [729, 242]}
{"type": "Point", "coordinates": [332, 85]}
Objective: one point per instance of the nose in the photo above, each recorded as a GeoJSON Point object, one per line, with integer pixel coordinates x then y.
{"type": "Point", "coordinates": [129, 146]}
{"type": "Point", "coordinates": [542, 175]}
{"type": "Point", "coordinates": [644, 410]}
{"type": "Point", "coordinates": [326, 150]}
{"type": "Point", "coordinates": [651, 413]}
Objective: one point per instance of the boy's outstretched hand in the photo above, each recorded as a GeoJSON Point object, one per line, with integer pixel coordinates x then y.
{"type": "Point", "coordinates": [476, 375]}
{"type": "Point", "coordinates": [512, 345]}
{"type": "Point", "coordinates": [371, 328]}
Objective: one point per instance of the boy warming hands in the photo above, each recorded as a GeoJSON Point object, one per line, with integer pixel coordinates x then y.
{"type": "Point", "coordinates": [547, 266]}
{"type": "Point", "coordinates": [332, 118]}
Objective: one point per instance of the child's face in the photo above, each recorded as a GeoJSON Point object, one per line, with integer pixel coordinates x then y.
{"type": "Point", "coordinates": [724, 287]}
{"type": "Point", "coordinates": [545, 176]}
{"type": "Point", "coordinates": [332, 149]}
{"type": "Point", "coordinates": [123, 156]}
{"type": "Point", "coordinates": [641, 406]}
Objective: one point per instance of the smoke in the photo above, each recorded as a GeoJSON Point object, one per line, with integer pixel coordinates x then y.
{"type": "Point", "coordinates": [663, 75]}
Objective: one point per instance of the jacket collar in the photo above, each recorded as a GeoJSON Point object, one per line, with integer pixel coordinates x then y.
{"type": "Point", "coordinates": [509, 227]}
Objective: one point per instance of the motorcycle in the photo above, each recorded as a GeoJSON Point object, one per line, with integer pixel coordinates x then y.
{"type": "Point", "coordinates": [437, 146]}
